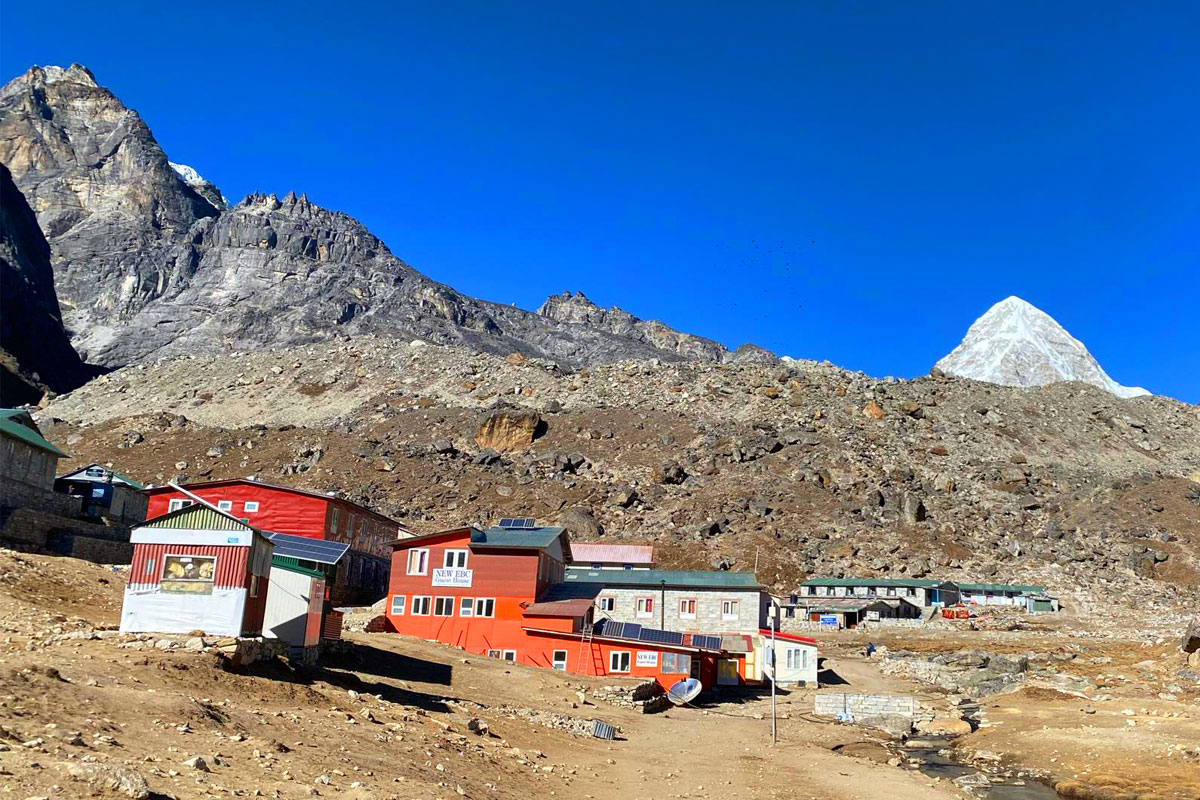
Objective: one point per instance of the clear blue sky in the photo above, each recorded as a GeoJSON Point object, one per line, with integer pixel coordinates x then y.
{"type": "Point", "coordinates": [832, 180]}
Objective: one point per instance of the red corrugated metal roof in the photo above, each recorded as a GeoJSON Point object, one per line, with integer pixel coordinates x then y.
{"type": "Point", "coordinates": [559, 608]}
{"type": "Point", "coordinates": [603, 553]}
{"type": "Point", "coordinates": [788, 637]}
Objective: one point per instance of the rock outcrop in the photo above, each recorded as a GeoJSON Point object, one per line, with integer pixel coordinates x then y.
{"type": "Point", "coordinates": [35, 351]}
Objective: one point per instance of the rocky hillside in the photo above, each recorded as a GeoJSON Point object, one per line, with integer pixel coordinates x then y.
{"type": "Point", "coordinates": [150, 262]}
{"type": "Point", "coordinates": [35, 353]}
{"type": "Point", "coordinates": [797, 469]}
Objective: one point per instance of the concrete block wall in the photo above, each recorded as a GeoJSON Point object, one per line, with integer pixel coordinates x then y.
{"type": "Point", "coordinates": [865, 705]}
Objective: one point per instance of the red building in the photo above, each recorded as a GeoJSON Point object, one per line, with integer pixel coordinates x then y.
{"type": "Point", "coordinates": [197, 569]}
{"type": "Point", "coordinates": [362, 576]}
{"type": "Point", "coordinates": [480, 590]}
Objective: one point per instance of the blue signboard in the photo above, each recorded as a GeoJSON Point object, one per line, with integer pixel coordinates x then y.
{"type": "Point", "coordinates": [829, 619]}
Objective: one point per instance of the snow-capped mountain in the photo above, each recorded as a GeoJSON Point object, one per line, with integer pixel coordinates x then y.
{"type": "Point", "coordinates": [1017, 344]}
{"type": "Point", "coordinates": [205, 188]}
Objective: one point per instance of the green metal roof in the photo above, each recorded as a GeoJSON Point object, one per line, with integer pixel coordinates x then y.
{"type": "Point", "coordinates": [1001, 587]}
{"type": "Point", "coordinates": [536, 538]}
{"type": "Point", "coordinates": [900, 582]}
{"type": "Point", "coordinates": [293, 565]}
{"type": "Point", "coordinates": [657, 577]}
{"type": "Point", "coordinates": [11, 425]}
{"type": "Point", "coordinates": [197, 517]}
{"type": "Point", "coordinates": [116, 476]}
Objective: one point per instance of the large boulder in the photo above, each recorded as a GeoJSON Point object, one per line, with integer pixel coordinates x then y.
{"type": "Point", "coordinates": [1190, 641]}
{"type": "Point", "coordinates": [507, 430]}
{"type": "Point", "coordinates": [581, 524]}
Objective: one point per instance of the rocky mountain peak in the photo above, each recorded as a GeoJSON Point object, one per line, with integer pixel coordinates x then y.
{"type": "Point", "coordinates": [41, 76]}
{"type": "Point", "coordinates": [1017, 344]}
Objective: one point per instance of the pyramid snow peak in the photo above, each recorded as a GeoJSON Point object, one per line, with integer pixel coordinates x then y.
{"type": "Point", "coordinates": [1016, 344]}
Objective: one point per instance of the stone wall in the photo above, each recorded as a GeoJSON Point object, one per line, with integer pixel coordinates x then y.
{"type": "Point", "coordinates": [37, 531]}
{"type": "Point", "coordinates": [17, 494]}
{"type": "Point", "coordinates": [708, 619]}
{"type": "Point", "coordinates": [865, 705]}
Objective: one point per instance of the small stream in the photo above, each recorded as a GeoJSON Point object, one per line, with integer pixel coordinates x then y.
{"type": "Point", "coordinates": [935, 759]}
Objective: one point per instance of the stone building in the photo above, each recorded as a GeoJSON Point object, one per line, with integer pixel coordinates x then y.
{"type": "Point", "coordinates": [923, 593]}
{"type": "Point", "coordinates": [673, 600]}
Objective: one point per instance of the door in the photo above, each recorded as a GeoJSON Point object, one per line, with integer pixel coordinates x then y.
{"type": "Point", "coordinates": [727, 672]}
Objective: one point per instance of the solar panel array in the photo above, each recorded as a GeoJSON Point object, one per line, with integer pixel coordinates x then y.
{"type": "Point", "coordinates": [518, 523]}
{"type": "Point", "coordinates": [706, 642]}
{"type": "Point", "coordinates": [317, 550]}
{"type": "Point", "coordinates": [661, 637]}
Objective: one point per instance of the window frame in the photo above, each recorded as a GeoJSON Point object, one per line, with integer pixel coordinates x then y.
{"type": "Point", "coordinates": [422, 554]}
{"type": "Point", "coordinates": [607, 604]}
{"type": "Point", "coordinates": [493, 653]}
{"type": "Point", "coordinates": [466, 606]}
{"type": "Point", "coordinates": [446, 554]}
{"type": "Point", "coordinates": [644, 609]}
{"type": "Point", "coordinates": [733, 613]}
{"type": "Point", "coordinates": [444, 600]}
{"type": "Point", "coordinates": [416, 604]}
{"type": "Point", "coordinates": [225, 505]}
{"type": "Point", "coordinates": [613, 659]}
{"type": "Point", "coordinates": [250, 507]}
{"type": "Point", "coordinates": [504, 656]}
{"type": "Point", "coordinates": [557, 663]}
{"type": "Point", "coordinates": [687, 614]}
{"type": "Point", "coordinates": [179, 503]}
{"type": "Point", "coordinates": [403, 598]}
{"type": "Point", "coordinates": [488, 603]}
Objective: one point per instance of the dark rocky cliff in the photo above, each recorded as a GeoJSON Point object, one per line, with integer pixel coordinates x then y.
{"type": "Point", "coordinates": [35, 352]}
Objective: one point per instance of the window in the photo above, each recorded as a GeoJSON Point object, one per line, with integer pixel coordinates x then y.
{"type": "Point", "coordinates": [455, 559]}
{"type": "Point", "coordinates": [333, 518]}
{"type": "Point", "coordinates": [891, 591]}
{"type": "Point", "coordinates": [443, 607]}
{"type": "Point", "coordinates": [645, 607]}
{"type": "Point", "coordinates": [254, 586]}
{"type": "Point", "coordinates": [608, 603]}
{"type": "Point", "coordinates": [178, 503]}
{"type": "Point", "coordinates": [188, 574]}
{"type": "Point", "coordinates": [420, 606]}
{"type": "Point", "coordinates": [910, 592]}
{"type": "Point", "coordinates": [796, 658]}
{"type": "Point", "coordinates": [418, 562]}
{"type": "Point", "coordinates": [466, 606]}
{"type": "Point", "coordinates": [398, 605]}
{"type": "Point", "coordinates": [485, 606]}
{"type": "Point", "coordinates": [509, 655]}
{"type": "Point", "coordinates": [627, 566]}
{"type": "Point", "coordinates": [618, 661]}
{"type": "Point", "coordinates": [676, 664]}
{"type": "Point", "coordinates": [224, 505]}
{"type": "Point", "coordinates": [558, 660]}
{"type": "Point", "coordinates": [250, 507]}
{"type": "Point", "coordinates": [493, 653]}
{"type": "Point", "coordinates": [687, 608]}
{"type": "Point", "coordinates": [597, 566]}
{"type": "Point", "coordinates": [729, 609]}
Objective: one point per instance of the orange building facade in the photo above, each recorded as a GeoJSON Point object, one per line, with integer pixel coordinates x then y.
{"type": "Point", "coordinates": [478, 590]}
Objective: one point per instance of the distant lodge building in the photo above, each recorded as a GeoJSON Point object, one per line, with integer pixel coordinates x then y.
{"type": "Point", "coordinates": [517, 594]}
{"type": "Point", "coordinates": [847, 602]}
{"type": "Point", "coordinates": [362, 576]}
{"type": "Point", "coordinates": [33, 516]}
{"type": "Point", "coordinates": [921, 593]}
{"type": "Point", "coordinates": [105, 493]}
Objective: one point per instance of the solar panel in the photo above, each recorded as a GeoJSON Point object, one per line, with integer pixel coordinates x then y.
{"type": "Point", "coordinates": [305, 549]}
{"type": "Point", "coordinates": [706, 642]}
{"type": "Point", "coordinates": [518, 523]}
{"type": "Point", "coordinates": [660, 637]}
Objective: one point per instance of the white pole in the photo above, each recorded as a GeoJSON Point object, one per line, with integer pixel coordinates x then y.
{"type": "Point", "coordinates": [774, 732]}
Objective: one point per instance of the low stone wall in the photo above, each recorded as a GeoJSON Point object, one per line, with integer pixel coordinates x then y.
{"type": "Point", "coordinates": [37, 531]}
{"type": "Point", "coordinates": [16, 494]}
{"type": "Point", "coordinates": [647, 696]}
{"type": "Point", "coordinates": [864, 705]}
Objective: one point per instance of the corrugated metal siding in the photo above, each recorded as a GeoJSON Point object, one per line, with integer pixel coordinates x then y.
{"type": "Point", "coordinates": [332, 626]}
{"type": "Point", "coordinates": [200, 518]}
{"type": "Point", "coordinates": [231, 563]}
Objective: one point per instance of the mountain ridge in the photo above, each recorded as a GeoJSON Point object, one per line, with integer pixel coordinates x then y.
{"type": "Point", "coordinates": [151, 262]}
